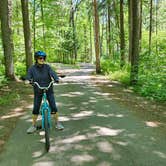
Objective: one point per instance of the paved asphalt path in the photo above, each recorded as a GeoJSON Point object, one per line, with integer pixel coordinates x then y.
{"type": "Point", "coordinates": [98, 131]}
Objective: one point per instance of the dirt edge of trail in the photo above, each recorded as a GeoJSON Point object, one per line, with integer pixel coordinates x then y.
{"type": "Point", "coordinates": [15, 98]}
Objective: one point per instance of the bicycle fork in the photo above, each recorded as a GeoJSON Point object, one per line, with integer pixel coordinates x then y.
{"type": "Point", "coordinates": [45, 107]}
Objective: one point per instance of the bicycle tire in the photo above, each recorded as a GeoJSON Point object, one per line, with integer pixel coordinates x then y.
{"type": "Point", "coordinates": [47, 131]}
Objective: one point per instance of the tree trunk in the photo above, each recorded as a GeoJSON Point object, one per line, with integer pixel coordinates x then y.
{"type": "Point", "coordinates": [150, 26]}
{"type": "Point", "coordinates": [7, 38]}
{"type": "Point", "coordinates": [90, 40]}
{"type": "Point", "coordinates": [27, 34]}
{"type": "Point", "coordinates": [34, 26]}
{"type": "Point", "coordinates": [135, 27]}
{"type": "Point", "coordinates": [72, 23]}
{"type": "Point", "coordinates": [122, 35]}
{"type": "Point", "coordinates": [85, 43]}
{"type": "Point", "coordinates": [130, 30]}
{"type": "Point", "coordinates": [140, 37]}
{"type": "Point", "coordinates": [96, 29]}
{"type": "Point", "coordinates": [109, 27]}
{"type": "Point", "coordinates": [102, 37]}
{"type": "Point", "coordinates": [117, 21]}
{"type": "Point", "coordinates": [157, 51]}
{"type": "Point", "coordinates": [43, 27]}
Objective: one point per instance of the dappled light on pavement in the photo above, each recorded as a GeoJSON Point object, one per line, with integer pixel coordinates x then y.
{"type": "Point", "coordinates": [17, 112]}
{"type": "Point", "coordinates": [152, 124]}
{"type": "Point", "coordinates": [44, 163]}
{"type": "Point", "coordinates": [99, 130]}
{"type": "Point", "coordinates": [105, 147]}
{"type": "Point", "coordinates": [37, 154]}
{"type": "Point", "coordinates": [104, 131]}
{"type": "Point", "coordinates": [160, 154]}
{"type": "Point", "coordinates": [74, 139]}
{"type": "Point", "coordinates": [110, 115]}
{"type": "Point", "coordinates": [72, 94]}
{"type": "Point", "coordinates": [81, 159]}
{"type": "Point", "coordinates": [82, 114]}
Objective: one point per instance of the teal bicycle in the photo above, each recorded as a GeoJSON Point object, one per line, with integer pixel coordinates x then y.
{"type": "Point", "coordinates": [46, 114]}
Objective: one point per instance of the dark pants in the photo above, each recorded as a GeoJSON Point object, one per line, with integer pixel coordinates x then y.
{"type": "Point", "coordinates": [38, 98]}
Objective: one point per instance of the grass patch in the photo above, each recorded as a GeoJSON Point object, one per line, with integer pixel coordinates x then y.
{"type": "Point", "coordinates": [10, 97]}
{"type": "Point", "coordinates": [121, 76]}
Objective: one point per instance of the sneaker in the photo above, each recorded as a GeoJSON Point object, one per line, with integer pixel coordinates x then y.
{"type": "Point", "coordinates": [59, 126]}
{"type": "Point", "coordinates": [31, 129]}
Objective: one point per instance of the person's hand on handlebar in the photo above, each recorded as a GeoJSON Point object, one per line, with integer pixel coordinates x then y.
{"type": "Point", "coordinates": [59, 81]}
{"type": "Point", "coordinates": [28, 82]}
{"type": "Point", "coordinates": [56, 81]}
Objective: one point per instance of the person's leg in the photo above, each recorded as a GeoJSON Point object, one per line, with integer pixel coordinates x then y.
{"type": "Point", "coordinates": [35, 112]}
{"type": "Point", "coordinates": [34, 119]}
{"type": "Point", "coordinates": [36, 106]}
{"type": "Point", "coordinates": [54, 110]}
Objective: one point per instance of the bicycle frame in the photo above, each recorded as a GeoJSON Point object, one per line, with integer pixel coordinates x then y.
{"type": "Point", "coordinates": [46, 114]}
{"type": "Point", "coordinates": [45, 107]}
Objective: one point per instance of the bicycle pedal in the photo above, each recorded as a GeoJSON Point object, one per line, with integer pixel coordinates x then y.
{"type": "Point", "coordinates": [39, 127]}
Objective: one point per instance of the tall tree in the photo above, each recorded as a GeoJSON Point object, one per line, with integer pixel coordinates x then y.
{"type": "Point", "coordinates": [96, 36]}
{"type": "Point", "coordinates": [141, 3]}
{"type": "Point", "coordinates": [122, 35]}
{"type": "Point", "coordinates": [135, 32]}
{"type": "Point", "coordinates": [43, 27]}
{"type": "Point", "coordinates": [109, 26]}
{"type": "Point", "coordinates": [150, 26]}
{"type": "Point", "coordinates": [72, 24]}
{"type": "Point", "coordinates": [34, 25]}
{"type": "Point", "coordinates": [130, 30]}
{"type": "Point", "coordinates": [156, 7]}
{"type": "Point", "coordinates": [90, 37]}
{"type": "Point", "coordinates": [27, 34]}
{"type": "Point", "coordinates": [7, 38]}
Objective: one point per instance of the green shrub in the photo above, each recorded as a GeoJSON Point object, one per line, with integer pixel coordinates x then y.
{"type": "Point", "coordinates": [112, 69]}
{"type": "Point", "coordinates": [20, 69]}
{"type": "Point", "coordinates": [121, 76]}
{"type": "Point", "coordinates": [108, 66]}
{"type": "Point", "coordinates": [153, 86]}
{"type": "Point", "coordinates": [152, 78]}
{"type": "Point", "coordinates": [2, 70]}
{"type": "Point", "coordinates": [12, 96]}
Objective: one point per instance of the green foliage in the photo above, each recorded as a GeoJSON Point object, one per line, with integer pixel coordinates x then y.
{"type": "Point", "coordinates": [122, 76]}
{"type": "Point", "coordinates": [2, 70]}
{"type": "Point", "coordinates": [112, 69]}
{"type": "Point", "coordinates": [3, 81]}
{"type": "Point", "coordinates": [152, 86]}
{"type": "Point", "coordinates": [10, 96]}
{"type": "Point", "coordinates": [108, 65]}
{"type": "Point", "coordinates": [68, 44]}
{"type": "Point", "coordinates": [152, 69]}
{"type": "Point", "coordinates": [20, 69]}
{"type": "Point", "coordinates": [60, 41]}
{"type": "Point", "coordinates": [152, 78]}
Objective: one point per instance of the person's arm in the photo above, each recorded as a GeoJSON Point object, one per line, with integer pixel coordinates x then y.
{"type": "Point", "coordinates": [53, 75]}
{"type": "Point", "coordinates": [29, 76]}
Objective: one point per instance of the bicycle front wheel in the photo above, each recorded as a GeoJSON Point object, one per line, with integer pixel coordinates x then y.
{"type": "Point", "coordinates": [47, 131]}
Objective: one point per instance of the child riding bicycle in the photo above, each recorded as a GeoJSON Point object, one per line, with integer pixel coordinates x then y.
{"type": "Point", "coordinates": [43, 74]}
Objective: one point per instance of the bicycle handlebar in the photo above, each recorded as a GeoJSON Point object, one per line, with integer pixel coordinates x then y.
{"type": "Point", "coordinates": [44, 88]}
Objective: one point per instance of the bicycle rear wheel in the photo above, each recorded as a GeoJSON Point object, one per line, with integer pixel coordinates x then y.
{"type": "Point", "coordinates": [47, 131]}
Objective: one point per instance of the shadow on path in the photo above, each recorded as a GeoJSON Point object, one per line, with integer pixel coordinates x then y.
{"type": "Point", "coordinates": [98, 132]}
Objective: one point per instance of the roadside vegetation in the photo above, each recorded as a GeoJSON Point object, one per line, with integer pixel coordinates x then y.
{"type": "Point", "coordinates": [152, 71]}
